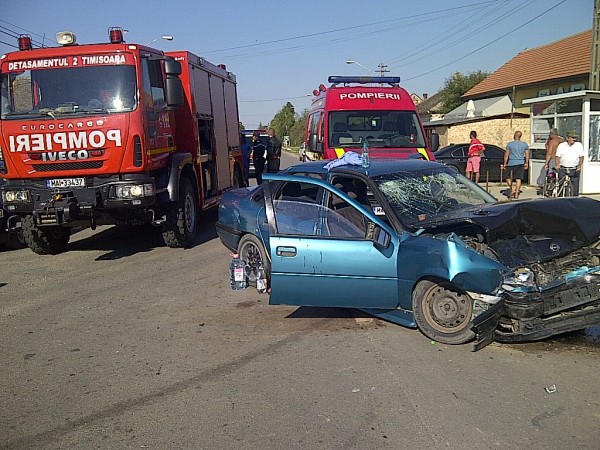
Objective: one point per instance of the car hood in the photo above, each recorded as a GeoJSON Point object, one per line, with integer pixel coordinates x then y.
{"type": "Point", "coordinates": [526, 231]}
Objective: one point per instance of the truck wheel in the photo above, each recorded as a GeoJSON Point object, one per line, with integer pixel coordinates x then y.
{"type": "Point", "coordinates": [16, 240]}
{"type": "Point", "coordinates": [252, 251]}
{"type": "Point", "coordinates": [50, 240]}
{"type": "Point", "coordinates": [238, 180]}
{"type": "Point", "coordinates": [179, 229]}
{"type": "Point", "coordinates": [442, 312]}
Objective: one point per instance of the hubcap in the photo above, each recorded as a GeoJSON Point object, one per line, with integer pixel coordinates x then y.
{"type": "Point", "coordinates": [448, 311]}
{"type": "Point", "coordinates": [189, 211]}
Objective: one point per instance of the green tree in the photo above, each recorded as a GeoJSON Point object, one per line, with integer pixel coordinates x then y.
{"type": "Point", "coordinates": [456, 85]}
{"type": "Point", "coordinates": [284, 120]}
{"type": "Point", "coordinates": [299, 128]}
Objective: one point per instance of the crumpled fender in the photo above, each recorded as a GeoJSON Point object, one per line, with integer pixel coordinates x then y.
{"type": "Point", "coordinates": [448, 258]}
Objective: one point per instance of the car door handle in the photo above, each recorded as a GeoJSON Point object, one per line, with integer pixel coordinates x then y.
{"type": "Point", "coordinates": [286, 252]}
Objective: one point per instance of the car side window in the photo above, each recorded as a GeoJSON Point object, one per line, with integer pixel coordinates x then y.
{"type": "Point", "coordinates": [297, 212]}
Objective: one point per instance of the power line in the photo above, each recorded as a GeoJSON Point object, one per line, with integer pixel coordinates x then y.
{"type": "Point", "coordinates": [488, 44]}
{"type": "Point", "coordinates": [27, 31]}
{"type": "Point", "coordinates": [474, 31]}
{"type": "Point", "coordinates": [403, 19]}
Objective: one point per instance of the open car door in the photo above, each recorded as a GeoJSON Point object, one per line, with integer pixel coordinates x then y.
{"type": "Point", "coordinates": [323, 257]}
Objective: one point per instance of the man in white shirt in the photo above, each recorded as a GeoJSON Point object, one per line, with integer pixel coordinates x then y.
{"type": "Point", "coordinates": [569, 156]}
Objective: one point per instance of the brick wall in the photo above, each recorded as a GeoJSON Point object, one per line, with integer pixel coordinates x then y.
{"type": "Point", "coordinates": [493, 131]}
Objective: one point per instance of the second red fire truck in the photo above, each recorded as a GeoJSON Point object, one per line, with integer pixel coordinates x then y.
{"type": "Point", "coordinates": [114, 133]}
{"type": "Point", "coordinates": [357, 111]}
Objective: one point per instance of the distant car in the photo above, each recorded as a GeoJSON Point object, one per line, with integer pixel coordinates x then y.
{"type": "Point", "coordinates": [264, 138]}
{"type": "Point", "coordinates": [455, 155]}
{"type": "Point", "coordinates": [416, 243]}
{"type": "Point", "coordinates": [10, 238]}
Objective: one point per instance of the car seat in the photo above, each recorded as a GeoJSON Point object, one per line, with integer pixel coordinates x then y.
{"type": "Point", "coordinates": [389, 127]}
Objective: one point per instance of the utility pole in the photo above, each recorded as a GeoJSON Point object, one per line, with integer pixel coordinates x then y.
{"type": "Point", "coordinates": [383, 68]}
{"type": "Point", "coordinates": [594, 84]}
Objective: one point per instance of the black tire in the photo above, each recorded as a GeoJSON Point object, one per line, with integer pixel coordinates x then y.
{"type": "Point", "coordinates": [568, 189]}
{"type": "Point", "coordinates": [16, 240]}
{"type": "Point", "coordinates": [179, 229]}
{"type": "Point", "coordinates": [238, 179]}
{"type": "Point", "coordinates": [251, 250]}
{"type": "Point", "coordinates": [549, 188]}
{"type": "Point", "coordinates": [50, 240]}
{"type": "Point", "coordinates": [442, 312]}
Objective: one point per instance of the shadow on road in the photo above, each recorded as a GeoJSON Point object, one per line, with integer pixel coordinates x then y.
{"type": "Point", "coordinates": [122, 241]}
{"type": "Point", "coordinates": [313, 312]}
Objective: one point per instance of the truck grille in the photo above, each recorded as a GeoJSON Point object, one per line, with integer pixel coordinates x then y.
{"type": "Point", "coordinates": [67, 166]}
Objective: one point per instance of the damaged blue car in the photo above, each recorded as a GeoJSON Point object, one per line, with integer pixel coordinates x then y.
{"type": "Point", "coordinates": [416, 243]}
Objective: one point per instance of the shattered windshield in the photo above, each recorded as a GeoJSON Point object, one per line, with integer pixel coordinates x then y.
{"type": "Point", "coordinates": [424, 195]}
{"type": "Point", "coordinates": [68, 91]}
{"type": "Point", "coordinates": [393, 129]}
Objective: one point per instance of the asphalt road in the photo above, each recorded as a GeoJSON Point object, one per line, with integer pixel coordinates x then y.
{"type": "Point", "coordinates": [124, 343]}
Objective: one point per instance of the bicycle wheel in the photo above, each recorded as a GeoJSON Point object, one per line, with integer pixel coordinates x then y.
{"type": "Point", "coordinates": [549, 189]}
{"type": "Point", "coordinates": [568, 188]}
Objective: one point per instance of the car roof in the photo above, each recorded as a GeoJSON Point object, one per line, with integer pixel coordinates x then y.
{"type": "Point", "coordinates": [453, 146]}
{"type": "Point", "coordinates": [377, 166]}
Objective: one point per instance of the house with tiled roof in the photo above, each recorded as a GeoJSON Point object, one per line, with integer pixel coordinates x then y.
{"type": "Point", "coordinates": [562, 66]}
{"type": "Point", "coordinates": [555, 68]}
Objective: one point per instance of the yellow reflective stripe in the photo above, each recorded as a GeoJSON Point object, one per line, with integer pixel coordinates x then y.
{"type": "Point", "coordinates": [422, 151]}
{"type": "Point", "coordinates": [156, 151]}
{"type": "Point", "coordinates": [339, 152]}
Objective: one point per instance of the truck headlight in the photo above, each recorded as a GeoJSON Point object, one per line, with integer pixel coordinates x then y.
{"type": "Point", "coordinates": [129, 191]}
{"type": "Point", "coordinates": [21, 196]}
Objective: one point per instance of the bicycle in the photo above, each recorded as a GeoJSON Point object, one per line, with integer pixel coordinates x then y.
{"type": "Point", "coordinates": [560, 186]}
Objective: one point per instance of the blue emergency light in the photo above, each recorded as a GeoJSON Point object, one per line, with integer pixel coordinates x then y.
{"type": "Point", "coordinates": [363, 80]}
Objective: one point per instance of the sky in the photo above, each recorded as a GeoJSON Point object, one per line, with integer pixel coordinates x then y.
{"type": "Point", "coordinates": [281, 50]}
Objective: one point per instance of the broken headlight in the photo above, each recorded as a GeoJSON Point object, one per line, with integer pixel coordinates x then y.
{"type": "Point", "coordinates": [519, 279]}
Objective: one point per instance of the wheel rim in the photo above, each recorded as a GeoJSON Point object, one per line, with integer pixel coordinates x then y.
{"type": "Point", "coordinates": [189, 212]}
{"type": "Point", "coordinates": [447, 311]}
{"type": "Point", "coordinates": [251, 254]}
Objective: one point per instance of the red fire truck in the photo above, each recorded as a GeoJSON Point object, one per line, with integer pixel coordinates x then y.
{"type": "Point", "coordinates": [355, 111]}
{"type": "Point", "coordinates": [114, 133]}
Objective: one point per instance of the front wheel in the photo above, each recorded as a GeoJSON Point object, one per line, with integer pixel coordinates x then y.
{"type": "Point", "coordinates": [49, 240]}
{"type": "Point", "coordinates": [179, 229]}
{"type": "Point", "coordinates": [442, 312]}
{"type": "Point", "coordinates": [252, 251]}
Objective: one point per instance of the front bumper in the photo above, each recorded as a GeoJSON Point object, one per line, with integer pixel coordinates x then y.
{"type": "Point", "coordinates": [73, 206]}
{"type": "Point", "coordinates": [570, 307]}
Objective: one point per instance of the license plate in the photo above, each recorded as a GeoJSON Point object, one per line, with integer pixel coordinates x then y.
{"type": "Point", "coordinates": [66, 183]}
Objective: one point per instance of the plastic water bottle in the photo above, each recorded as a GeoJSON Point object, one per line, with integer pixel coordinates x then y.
{"type": "Point", "coordinates": [238, 279]}
{"type": "Point", "coordinates": [261, 278]}
{"type": "Point", "coordinates": [365, 155]}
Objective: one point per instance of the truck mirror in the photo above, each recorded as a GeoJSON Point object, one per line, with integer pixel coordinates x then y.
{"type": "Point", "coordinates": [434, 141]}
{"type": "Point", "coordinates": [172, 67]}
{"type": "Point", "coordinates": [312, 142]}
{"type": "Point", "coordinates": [173, 91]}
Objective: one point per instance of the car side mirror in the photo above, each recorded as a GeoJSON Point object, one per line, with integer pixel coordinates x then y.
{"type": "Point", "coordinates": [378, 235]}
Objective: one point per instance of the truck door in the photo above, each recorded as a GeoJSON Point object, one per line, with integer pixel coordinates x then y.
{"type": "Point", "coordinates": [322, 257]}
{"type": "Point", "coordinates": [158, 121]}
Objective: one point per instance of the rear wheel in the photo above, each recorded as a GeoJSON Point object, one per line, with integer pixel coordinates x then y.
{"type": "Point", "coordinates": [568, 188]}
{"type": "Point", "coordinates": [549, 186]}
{"type": "Point", "coordinates": [251, 250]}
{"type": "Point", "coordinates": [442, 312]}
{"type": "Point", "coordinates": [179, 229]}
{"type": "Point", "coordinates": [50, 240]}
